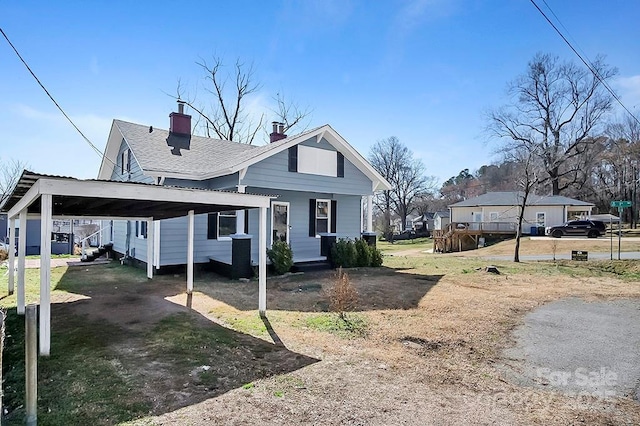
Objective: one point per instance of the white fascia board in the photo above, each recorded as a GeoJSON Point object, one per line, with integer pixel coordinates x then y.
{"type": "Point", "coordinates": [335, 140]}
{"type": "Point", "coordinates": [132, 191]}
{"type": "Point", "coordinates": [187, 176]}
{"type": "Point", "coordinates": [81, 217]}
{"type": "Point", "coordinates": [109, 159]}
{"type": "Point", "coordinates": [27, 199]}
{"type": "Point", "coordinates": [356, 159]}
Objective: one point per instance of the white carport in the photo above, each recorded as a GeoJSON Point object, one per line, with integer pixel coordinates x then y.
{"type": "Point", "coordinates": [50, 197]}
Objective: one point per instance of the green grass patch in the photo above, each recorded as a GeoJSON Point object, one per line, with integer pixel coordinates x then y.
{"type": "Point", "coordinates": [183, 340]}
{"type": "Point", "coordinates": [352, 326]}
{"type": "Point", "coordinates": [418, 243]}
{"type": "Point", "coordinates": [244, 323]}
{"type": "Point", "coordinates": [628, 270]}
{"type": "Point", "coordinates": [80, 383]}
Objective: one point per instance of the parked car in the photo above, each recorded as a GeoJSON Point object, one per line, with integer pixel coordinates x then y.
{"type": "Point", "coordinates": [409, 234]}
{"type": "Point", "coordinates": [590, 228]}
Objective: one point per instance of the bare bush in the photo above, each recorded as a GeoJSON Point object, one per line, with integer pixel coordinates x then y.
{"type": "Point", "coordinates": [554, 248]}
{"type": "Point", "coordinates": [343, 297]}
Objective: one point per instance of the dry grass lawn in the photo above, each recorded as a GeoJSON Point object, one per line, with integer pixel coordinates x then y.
{"type": "Point", "coordinates": [436, 328]}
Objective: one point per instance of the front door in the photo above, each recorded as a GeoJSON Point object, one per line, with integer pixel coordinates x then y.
{"type": "Point", "coordinates": [477, 218]}
{"type": "Point", "coordinates": [279, 222]}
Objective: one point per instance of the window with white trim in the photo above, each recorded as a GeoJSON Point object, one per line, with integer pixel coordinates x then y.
{"type": "Point", "coordinates": [323, 216]}
{"type": "Point", "coordinates": [541, 218]}
{"type": "Point", "coordinates": [125, 161]}
{"type": "Point", "coordinates": [141, 229]}
{"type": "Point", "coordinates": [226, 223]}
{"type": "Point", "coordinates": [493, 216]}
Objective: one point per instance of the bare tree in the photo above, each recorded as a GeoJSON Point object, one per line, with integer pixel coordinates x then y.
{"type": "Point", "coordinates": [395, 162]}
{"type": "Point", "coordinates": [10, 173]}
{"type": "Point", "coordinates": [289, 113]}
{"type": "Point", "coordinates": [226, 116]}
{"type": "Point", "coordinates": [527, 182]}
{"type": "Point", "coordinates": [556, 109]}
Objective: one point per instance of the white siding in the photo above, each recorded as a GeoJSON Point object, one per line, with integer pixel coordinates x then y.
{"type": "Point", "coordinates": [554, 215]}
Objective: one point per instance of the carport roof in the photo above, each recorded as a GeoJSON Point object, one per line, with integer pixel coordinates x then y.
{"type": "Point", "coordinates": [102, 198]}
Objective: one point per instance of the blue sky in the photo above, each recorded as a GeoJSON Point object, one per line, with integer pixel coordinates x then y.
{"type": "Point", "coordinates": [424, 71]}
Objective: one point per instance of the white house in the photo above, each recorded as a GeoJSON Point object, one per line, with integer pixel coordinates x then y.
{"type": "Point", "coordinates": [504, 207]}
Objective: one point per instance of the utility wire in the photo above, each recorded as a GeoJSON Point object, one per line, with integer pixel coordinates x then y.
{"type": "Point", "coordinates": [587, 64]}
{"type": "Point", "coordinates": [95, 148]}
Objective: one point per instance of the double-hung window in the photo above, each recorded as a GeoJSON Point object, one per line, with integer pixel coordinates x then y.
{"type": "Point", "coordinates": [221, 225]}
{"type": "Point", "coordinates": [323, 216]}
{"type": "Point", "coordinates": [226, 223]}
{"type": "Point", "coordinates": [141, 228]}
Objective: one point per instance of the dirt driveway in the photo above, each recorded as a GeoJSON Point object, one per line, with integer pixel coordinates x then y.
{"type": "Point", "coordinates": [434, 341]}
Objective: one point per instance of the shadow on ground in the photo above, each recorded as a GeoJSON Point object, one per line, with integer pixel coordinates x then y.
{"type": "Point", "coordinates": [120, 350]}
{"type": "Point", "coordinates": [378, 289]}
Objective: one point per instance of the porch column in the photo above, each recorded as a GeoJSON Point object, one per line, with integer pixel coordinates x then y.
{"type": "Point", "coordinates": [240, 213]}
{"type": "Point", "coordinates": [12, 254]}
{"type": "Point", "coordinates": [45, 274]}
{"type": "Point", "coordinates": [369, 236]}
{"type": "Point", "coordinates": [190, 231]}
{"type": "Point", "coordinates": [156, 244]}
{"type": "Point", "coordinates": [150, 241]}
{"type": "Point", "coordinates": [369, 213]}
{"type": "Point", "coordinates": [262, 263]}
{"type": "Point", "coordinates": [22, 249]}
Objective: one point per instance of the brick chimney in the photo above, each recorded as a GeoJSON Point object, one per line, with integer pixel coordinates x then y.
{"type": "Point", "coordinates": [179, 122]}
{"type": "Point", "coordinates": [278, 132]}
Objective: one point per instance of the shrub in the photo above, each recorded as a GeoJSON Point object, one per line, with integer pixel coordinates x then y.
{"type": "Point", "coordinates": [348, 254]}
{"type": "Point", "coordinates": [363, 253]}
{"type": "Point", "coordinates": [281, 257]}
{"type": "Point", "coordinates": [4, 255]}
{"type": "Point", "coordinates": [343, 296]}
{"type": "Point", "coordinates": [344, 254]}
{"type": "Point", "coordinates": [376, 256]}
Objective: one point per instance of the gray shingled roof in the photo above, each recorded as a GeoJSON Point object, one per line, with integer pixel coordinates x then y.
{"type": "Point", "coordinates": [159, 151]}
{"type": "Point", "coordinates": [515, 197]}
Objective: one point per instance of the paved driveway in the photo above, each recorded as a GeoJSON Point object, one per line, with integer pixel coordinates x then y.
{"type": "Point", "coordinates": [579, 347]}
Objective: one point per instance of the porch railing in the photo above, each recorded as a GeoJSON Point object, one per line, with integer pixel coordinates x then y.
{"type": "Point", "coordinates": [83, 242]}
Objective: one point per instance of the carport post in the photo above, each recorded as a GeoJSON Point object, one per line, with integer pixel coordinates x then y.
{"type": "Point", "coordinates": [150, 235]}
{"type": "Point", "coordinates": [262, 263]}
{"type": "Point", "coordinates": [45, 274]}
{"type": "Point", "coordinates": [31, 365]}
{"type": "Point", "coordinates": [12, 254]}
{"type": "Point", "coordinates": [369, 213]}
{"type": "Point", "coordinates": [22, 248]}
{"type": "Point", "coordinates": [190, 253]}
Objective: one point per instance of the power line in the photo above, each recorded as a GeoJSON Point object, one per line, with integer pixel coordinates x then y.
{"type": "Point", "coordinates": [587, 64]}
{"type": "Point", "coordinates": [96, 149]}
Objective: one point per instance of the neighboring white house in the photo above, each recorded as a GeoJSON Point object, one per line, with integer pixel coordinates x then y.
{"type": "Point", "coordinates": [441, 219]}
{"type": "Point", "coordinates": [540, 211]}
{"type": "Point", "coordinates": [424, 221]}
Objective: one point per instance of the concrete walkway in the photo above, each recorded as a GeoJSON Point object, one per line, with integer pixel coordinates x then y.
{"type": "Point", "coordinates": [57, 262]}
